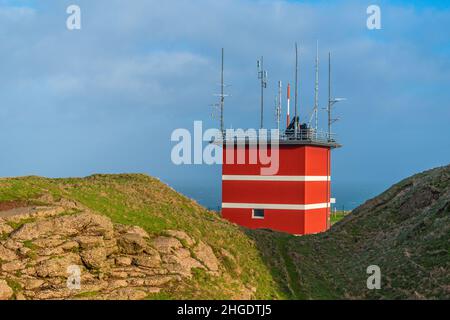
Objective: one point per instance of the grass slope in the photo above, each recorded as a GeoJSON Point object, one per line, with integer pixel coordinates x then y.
{"type": "Point", "coordinates": [405, 231]}
{"type": "Point", "coordinates": [135, 199]}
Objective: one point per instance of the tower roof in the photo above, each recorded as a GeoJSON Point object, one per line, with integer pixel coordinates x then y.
{"type": "Point", "coordinates": [306, 137]}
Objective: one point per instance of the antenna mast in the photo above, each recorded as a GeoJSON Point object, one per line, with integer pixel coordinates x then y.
{"type": "Point", "coordinates": [220, 106]}
{"type": "Point", "coordinates": [316, 88]}
{"type": "Point", "coordinates": [262, 75]}
{"type": "Point", "coordinates": [222, 96]}
{"type": "Point", "coordinates": [329, 96]}
{"type": "Point", "coordinates": [331, 101]}
{"type": "Point", "coordinates": [278, 106]}
{"type": "Point", "coordinates": [296, 89]}
{"type": "Point", "coordinates": [288, 102]}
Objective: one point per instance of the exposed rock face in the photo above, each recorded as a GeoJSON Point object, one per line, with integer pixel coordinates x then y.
{"type": "Point", "coordinates": [94, 258]}
{"type": "Point", "coordinates": [5, 291]}
{"type": "Point", "coordinates": [132, 243]}
{"type": "Point", "coordinates": [205, 254]}
{"type": "Point", "coordinates": [6, 254]}
{"type": "Point", "coordinates": [166, 244]}
{"type": "Point", "coordinates": [4, 228]}
{"type": "Point", "coordinates": [180, 235]}
{"type": "Point", "coordinates": [54, 267]}
{"type": "Point", "coordinates": [89, 224]}
{"type": "Point", "coordinates": [54, 254]}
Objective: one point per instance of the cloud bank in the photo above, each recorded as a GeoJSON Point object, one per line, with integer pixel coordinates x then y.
{"type": "Point", "coordinates": [106, 98]}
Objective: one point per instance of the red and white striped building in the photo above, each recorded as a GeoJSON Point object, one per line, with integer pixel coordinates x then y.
{"type": "Point", "coordinates": [296, 200]}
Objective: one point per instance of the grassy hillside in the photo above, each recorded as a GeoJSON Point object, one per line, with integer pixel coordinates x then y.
{"type": "Point", "coordinates": [405, 231]}
{"type": "Point", "coordinates": [139, 200]}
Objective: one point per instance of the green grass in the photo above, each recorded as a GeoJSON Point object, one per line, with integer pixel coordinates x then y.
{"type": "Point", "coordinates": [144, 201]}
{"type": "Point", "coordinates": [292, 276]}
{"type": "Point", "coordinates": [14, 285]}
{"type": "Point", "coordinates": [29, 244]}
{"type": "Point", "coordinates": [338, 216]}
{"type": "Point", "coordinates": [16, 225]}
{"type": "Point", "coordinates": [331, 265]}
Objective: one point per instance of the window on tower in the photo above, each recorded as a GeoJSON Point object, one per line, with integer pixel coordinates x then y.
{"type": "Point", "coordinates": [258, 214]}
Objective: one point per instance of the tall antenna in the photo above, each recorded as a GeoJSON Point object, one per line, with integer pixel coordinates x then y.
{"type": "Point", "coordinates": [296, 88]}
{"type": "Point", "coordinates": [278, 105]}
{"type": "Point", "coordinates": [288, 103]}
{"type": "Point", "coordinates": [262, 75]}
{"type": "Point", "coordinates": [331, 101]}
{"type": "Point", "coordinates": [329, 96]}
{"type": "Point", "coordinates": [316, 88]}
{"type": "Point", "coordinates": [221, 95]}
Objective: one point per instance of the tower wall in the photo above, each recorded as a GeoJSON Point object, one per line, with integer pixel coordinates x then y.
{"type": "Point", "coordinates": [295, 200]}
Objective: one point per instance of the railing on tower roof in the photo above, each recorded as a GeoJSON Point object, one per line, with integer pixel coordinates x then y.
{"type": "Point", "coordinates": [288, 136]}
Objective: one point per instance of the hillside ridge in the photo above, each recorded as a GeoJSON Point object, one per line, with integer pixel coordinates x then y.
{"type": "Point", "coordinates": [405, 231]}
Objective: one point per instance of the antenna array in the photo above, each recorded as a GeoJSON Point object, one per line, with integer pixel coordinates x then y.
{"type": "Point", "coordinates": [314, 115]}
{"type": "Point", "coordinates": [278, 105]}
{"type": "Point", "coordinates": [331, 101]}
{"type": "Point", "coordinates": [316, 89]}
{"type": "Point", "coordinates": [220, 106]}
{"type": "Point", "coordinates": [262, 75]}
{"type": "Point", "coordinates": [296, 89]}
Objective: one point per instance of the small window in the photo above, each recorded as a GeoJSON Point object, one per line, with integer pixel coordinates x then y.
{"type": "Point", "coordinates": [258, 214]}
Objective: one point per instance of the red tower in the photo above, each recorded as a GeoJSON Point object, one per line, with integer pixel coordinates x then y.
{"type": "Point", "coordinates": [295, 200]}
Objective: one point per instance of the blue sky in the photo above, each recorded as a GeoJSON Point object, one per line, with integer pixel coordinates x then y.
{"type": "Point", "coordinates": [106, 98]}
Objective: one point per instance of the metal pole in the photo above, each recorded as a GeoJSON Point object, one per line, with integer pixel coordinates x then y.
{"type": "Point", "coordinates": [296, 89]}
{"type": "Point", "coordinates": [262, 92]}
{"type": "Point", "coordinates": [279, 105]}
{"type": "Point", "coordinates": [329, 128]}
{"type": "Point", "coordinates": [222, 97]}
{"type": "Point", "coordinates": [316, 89]}
{"type": "Point", "coordinates": [329, 96]}
{"type": "Point", "coordinates": [288, 103]}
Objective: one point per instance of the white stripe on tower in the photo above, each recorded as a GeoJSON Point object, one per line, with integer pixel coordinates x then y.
{"type": "Point", "coordinates": [269, 206]}
{"type": "Point", "coordinates": [274, 178]}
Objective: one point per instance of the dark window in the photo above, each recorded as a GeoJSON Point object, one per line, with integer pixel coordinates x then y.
{"type": "Point", "coordinates": [258, 213]}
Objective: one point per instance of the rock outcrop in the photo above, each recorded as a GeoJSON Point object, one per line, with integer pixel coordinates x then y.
{"type": "Point", "coordinates": [5, 290]}
{"type": "Point", "coordinates": [68, 253]}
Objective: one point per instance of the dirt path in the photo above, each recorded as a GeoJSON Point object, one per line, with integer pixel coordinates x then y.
{"type": "Point", "coordinates": [14, 208]}
{"type": "Point", "coordinates": [16, 212]}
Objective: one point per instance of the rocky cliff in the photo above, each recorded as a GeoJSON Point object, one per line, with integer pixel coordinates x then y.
{"type": "Point", "coordinates": [41, 246]}
{"type": "Point", "coordinates": [129, 236]}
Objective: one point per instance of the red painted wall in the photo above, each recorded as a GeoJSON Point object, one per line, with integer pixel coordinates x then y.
{"type": "Point", "coordinates": [316, 220]}
{"type": "Point", "coordinates": [289, 221]}
{"type": "Point", "coordinates": [280, 192]}
{"type": "Point", "coordinates": [294, 160]}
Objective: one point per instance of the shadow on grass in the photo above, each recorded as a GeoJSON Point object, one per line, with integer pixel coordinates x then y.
{"type": "Point", "coordinates": [299, 271]}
